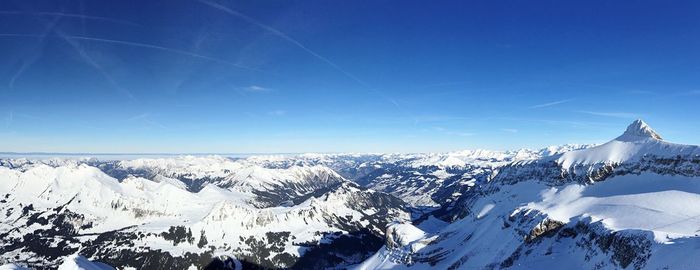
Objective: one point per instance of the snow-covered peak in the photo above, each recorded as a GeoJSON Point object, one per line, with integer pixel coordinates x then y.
{"type": "Point", "coordinates": [638, 141]}
{"type": "Point", "coordinates": [77, 262]}
{"type": "Point", "coordinates": [639, 130]}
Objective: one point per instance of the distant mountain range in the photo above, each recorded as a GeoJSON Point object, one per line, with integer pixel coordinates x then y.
{"type": "Point", "coordinates": [629, 203]}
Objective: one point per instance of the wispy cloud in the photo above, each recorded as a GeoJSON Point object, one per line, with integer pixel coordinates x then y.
{"type": "Point", "coordinates": [156, 47]}
{"type": "Point", "coordinates": [91, 62]}
{"type": "Point", "coordinates": [256, 88]}
{"type": "Point", "coordinates": [453, 133]}
{"type": "Point", "coordinates": [36, 54]}
{"type": "Point", "coordinates": [554, 122]}
{"type": "Point", "coordinates": [437, 118]}
{"type": "Point", "coordinates": [509, 130]}
{"type": "Point", "coordinates": [301, 46]}
{"type": "Point", "coordinates": [138, 117]}
{"type": "Point", "coordinates": [306, 49]}
{"type": "Point", "coordinates": [613, 114]}
{"type": "Point", "coordinates": [147, 119]}
{"type": "Point", "coordinates": [142, 45]}
{"type": "Point", "coordinates": [283, 36]}
{"type": "Point", "coordinates": [67, 15]}
{"type": "Point", "coordinates": [549, 104]}
{"type": "Point", "coordinates": [461, 134]}
{"type": "Point", "coordinates": [640, 92]}
{"type": "Point", "coordinates": [277, 113]}
{"type": "Point", "coordinates": [440, 84]}
{"type": "Point", "coordinates": [9, 118]}
{"type": "Point", "coordinates": [27, 116]}
{"type": "Point", "coordinates": [690, 93]}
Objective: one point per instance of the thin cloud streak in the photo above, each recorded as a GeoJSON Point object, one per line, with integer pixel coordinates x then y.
{"type": "Point", "coordinates": [277, 113]}
{"type": "Point", "coordinates": [256, 88]}
{"type": "Point", "coordinates": [156, 47]}
{"type": "Point", "coordinates": [146, 118]}
{"type": "Point", "coordinates": [69, 15]}
{"type": "Point", "coordinates": [34, 57]}
{"type": "Point", "coordinates": [440, 84]}
{"type": "Point", "coordinates": [141, 45]}
{"type": "Point", "coordinates": [628, 115]}
{"type": "Point", "coordinates": [284, 37]}
{"type": "Point", "coordinates": [552, 122]}
{"type": "Point", "coordinates": [90, 61]}
{"type": "Point", "coordinates": [461, 134]}
{"type": "Point", "coordinates": [9, 118]}
{"type": "Point", "coordinates": [689, 93]}
{"type": "Point", "coordinates": [549, 104]}
{"type": "Point", "coordinates": [453, 133]}
{"type": "Point", "coordinates": [138, 117]}
{"type": "Point", "coordinates": [300, 45]}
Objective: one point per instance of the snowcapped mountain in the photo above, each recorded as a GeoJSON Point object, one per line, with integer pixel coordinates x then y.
{"type": "Point", "coordinates": [54, 210]}
{"type": "Point", "coordinates": [622, 204]}
{"type": "Point", "coordinates": [271, 186]}
{"type": "Point", "coordinates": [424, 179]}
{"type": "Point", "coordinates": [637, 143]}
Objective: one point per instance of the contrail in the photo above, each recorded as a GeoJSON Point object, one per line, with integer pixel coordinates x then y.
{"type": "Point", "coordinates": [142, 45]}
{"type": "Point", "coordinates": [301, 46]}
{"type": "Point", "coordinates": [549, 104]}
{"type": "Point", "coordinates": [9, 119]}
{"type": "Point", "coordinates": [285, 37]}
{"type": "Point", "coordinates": [26, 64]}
{"type": "Point", "coordinates": [156, 47]}
{"type": "Point", "coordinates": [146, 118]}
{"type": "Point", "coordinates": [69, 15]}
{"type": "Point", "coordinates": [88, 59]}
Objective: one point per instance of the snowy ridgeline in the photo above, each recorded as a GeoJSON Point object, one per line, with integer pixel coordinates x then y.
{"type": "Point", "coordinates": [627, 204]}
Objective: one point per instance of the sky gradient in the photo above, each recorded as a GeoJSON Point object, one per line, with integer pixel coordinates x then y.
{"type": "Point", "coordinates": [206, 76]}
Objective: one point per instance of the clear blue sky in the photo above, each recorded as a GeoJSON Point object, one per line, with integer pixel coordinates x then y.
{"type": "Point", "coordinates": [338, 76]}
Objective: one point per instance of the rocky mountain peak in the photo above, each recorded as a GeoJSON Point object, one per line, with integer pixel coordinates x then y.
{"type": "Point", "coordinates": [639, 130]}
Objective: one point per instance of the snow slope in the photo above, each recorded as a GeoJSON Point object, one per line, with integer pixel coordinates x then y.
{"type": "Point", "coordinates": [77, 262]}
{"type": "Point", "coordinates": [533, 217]}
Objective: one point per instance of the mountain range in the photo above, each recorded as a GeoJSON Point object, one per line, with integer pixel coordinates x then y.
{"type": "Point", "coordinates": [625, 204]}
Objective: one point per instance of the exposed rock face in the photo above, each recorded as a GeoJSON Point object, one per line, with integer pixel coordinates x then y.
{"type": "Point", "coordinates": [543, 229]}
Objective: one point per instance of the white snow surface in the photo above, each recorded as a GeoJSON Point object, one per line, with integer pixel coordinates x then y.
{"type": "Point", "coordinates": [660, 208]}
{"type": "Point", "coordinates": [650, 202]}
{"type": "Point", "coordinates": [227, 216]}
{"type": "Point", "coordinates": [77, 262]}
{"type": "Point", "coordinates": [12, 266]}
{"type": "Point", "coordinates": [639, 140]}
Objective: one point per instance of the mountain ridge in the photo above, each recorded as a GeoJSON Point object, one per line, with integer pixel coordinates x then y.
{"type": "Point", "coordinates": [612, 206]}
{"type": "Point", "coordinates": [589, 204]}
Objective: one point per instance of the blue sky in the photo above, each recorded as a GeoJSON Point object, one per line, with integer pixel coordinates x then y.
{"type": "Point", "coordinates": [337, 76]}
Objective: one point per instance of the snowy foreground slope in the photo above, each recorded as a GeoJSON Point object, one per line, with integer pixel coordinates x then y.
{"type": "Point", "coordinates": [631, 203]}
